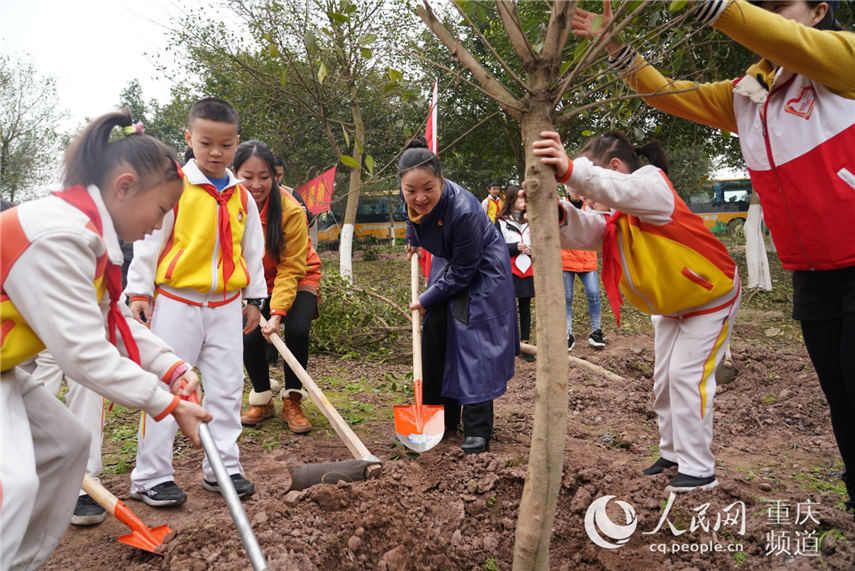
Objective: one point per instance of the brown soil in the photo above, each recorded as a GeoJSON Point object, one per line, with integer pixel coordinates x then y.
{"type": "Point", "coordinates": [444, 510]}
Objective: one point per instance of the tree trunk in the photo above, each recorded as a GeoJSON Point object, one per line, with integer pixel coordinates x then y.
{"type": "Point", "coordinates": [345, 247]}
{"type": "Point", "coordinates": [546, 456]}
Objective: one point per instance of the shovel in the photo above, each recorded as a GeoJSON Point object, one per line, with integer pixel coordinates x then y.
{"type": "Point", "coordinates": [151, 539]}
{"type": "Point", "coordinates": [364, 465]}
{"type": "Point", "coordinates": [419, 426]}
{"type": "Point", "coordinates": [227, 489]}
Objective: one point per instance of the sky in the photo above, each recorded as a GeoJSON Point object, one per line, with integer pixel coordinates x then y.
{"type": "Point", "coordinates": [92, 48]}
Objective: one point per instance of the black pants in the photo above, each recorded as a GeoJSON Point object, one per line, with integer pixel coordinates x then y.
{"type": "Point", "coordinates": [297, 323]}
{"type": "Point", "coordinates": [831, 345]}
{"type": "Point", "coordinates": [525, 318]}
{"type": "Point", "coordinates": [477, 418]}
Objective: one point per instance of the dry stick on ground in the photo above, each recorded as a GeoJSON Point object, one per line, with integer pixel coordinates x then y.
{"type": "Point", "coordinates": [376, 295]}
{"type": "Point", "coordinates": [594, 368]}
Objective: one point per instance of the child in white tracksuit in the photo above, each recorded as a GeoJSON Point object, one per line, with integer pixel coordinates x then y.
{"type": "Point", "coordinates": [87, 406]}
{"type": "Point", "coordinates": [658, 255]}
{"type": "Point", "coordinates": [60, 280]}
{"type": "Point", "coordinates": [201, 265]}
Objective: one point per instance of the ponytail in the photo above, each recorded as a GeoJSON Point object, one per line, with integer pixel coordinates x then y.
{"type": "Point", "coordinates": [654, 153]}
{"type": "Point", "coordinates": [99, 148]}
{"type": "Point", "coordinates": [615, 144]}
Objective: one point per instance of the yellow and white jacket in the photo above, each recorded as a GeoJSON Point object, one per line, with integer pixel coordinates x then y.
{"type": "Point", "coordinates": [52, 296]}
{"type": "Point", "coordinates": [656, 253]}
{"type": "Point", "coordinates": [183, 259]}
{"type": "Point", "coordinates": [794, 112]}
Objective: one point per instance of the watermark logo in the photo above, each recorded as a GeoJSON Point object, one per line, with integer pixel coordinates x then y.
{"type": "Point", "coordinates": [599, 524]}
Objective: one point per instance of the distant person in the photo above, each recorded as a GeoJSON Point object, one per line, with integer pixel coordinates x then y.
{"type": "Point", "coordinates": [292, 271]}
{"type": "Point", "coordinates": [661, 257]}
{"type": "Point", "coordinates": [469, 339]}
{"type": "Point", "coordinates": [513, 224]}
{"type": "Point", "coordinates": [493, 204]}
{"type": "Point", "coordinates": [203, 263]}
{"type": "Point", "coordinates": [582, 264]}
{"type": "Point", "coordinates": [794, 112]}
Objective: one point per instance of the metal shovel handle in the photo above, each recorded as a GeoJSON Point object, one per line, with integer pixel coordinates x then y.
{"type": "Point", "coordinates": [227, 489]}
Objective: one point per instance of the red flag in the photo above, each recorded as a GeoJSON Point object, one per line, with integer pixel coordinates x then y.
{"type": "Point", "coordinates": [430, 137]}
{"type": "Point", "coordinates": [318, 192]}
{"type": "Point", "coordinates": [430, 127]}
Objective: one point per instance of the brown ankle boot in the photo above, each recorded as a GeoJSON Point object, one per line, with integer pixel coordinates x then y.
{"type": "Point", "coordinates": [260, 408]}
{"type": "Point", "coordinates": [292, 413]}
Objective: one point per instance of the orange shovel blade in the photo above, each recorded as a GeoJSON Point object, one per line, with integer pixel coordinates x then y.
{"type": "Point", "coordinates": [419, 428]}
{"type": "Point", "coordinates": [141, 536]}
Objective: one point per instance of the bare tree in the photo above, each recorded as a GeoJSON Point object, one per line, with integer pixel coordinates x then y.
{"type": "Point", "coordinates": [29, 142]}
{"type": "Point", "coordinates": [535, 92]}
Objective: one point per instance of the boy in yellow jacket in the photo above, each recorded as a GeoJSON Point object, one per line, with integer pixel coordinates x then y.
{"type": "Point", "coordinates": [201, 265]}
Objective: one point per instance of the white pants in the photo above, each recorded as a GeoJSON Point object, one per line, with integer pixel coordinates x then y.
{"type": "Point", "coordinates": [212, 339]}
{"type": "Point", "coordinates": [755, 250]}
{"type": "Point", "coordinates": [86, 405]}
{"type": "Point", "coordinates": [43, 452]}
{"type": "Point", "coordinates": [688, 352]}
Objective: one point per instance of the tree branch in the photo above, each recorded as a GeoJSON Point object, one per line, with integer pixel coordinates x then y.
{"type": "Point", "coordinates": [510, 71]}
{"type": "Point", "coordinates": [508, 12]}
{"type": "Point", "coordinates": [557, 30]}
{"type": "Point", "coordinates": [491, 86]}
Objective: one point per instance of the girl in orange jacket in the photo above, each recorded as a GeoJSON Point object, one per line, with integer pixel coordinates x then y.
{"type": "Point", "coordinates": [292, 270]}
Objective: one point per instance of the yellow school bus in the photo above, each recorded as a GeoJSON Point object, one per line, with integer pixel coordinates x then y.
{"type": "Point", "coordinates": [379, 217]}
{"type": "Point", "coordinates": [723, 204]}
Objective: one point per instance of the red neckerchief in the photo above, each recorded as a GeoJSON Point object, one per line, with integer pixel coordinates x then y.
{"type": "Point", "coordinates": [224, 229]}
{"type": "Point", "coordinates": [78, 197]}
{"type": "Point", "coordinates": [612, 270]}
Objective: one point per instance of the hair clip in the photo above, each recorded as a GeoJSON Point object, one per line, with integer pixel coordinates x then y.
{"type": "Point", "coordinates": [136, 129]}
{"type": "Point", "coordinates": [178, 169]}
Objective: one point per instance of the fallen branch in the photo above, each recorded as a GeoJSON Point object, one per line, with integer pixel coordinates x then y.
{"type": "Point", "coordinates": [532, 350]}
{"type": "Point", "coordinates": [390, 302]}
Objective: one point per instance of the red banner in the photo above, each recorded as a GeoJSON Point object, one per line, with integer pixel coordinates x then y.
{"type": "Point", "coordinates": [318, 192]}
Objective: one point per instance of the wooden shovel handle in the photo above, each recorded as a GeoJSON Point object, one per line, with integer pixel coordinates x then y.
{"type": "Point", "coordinates": [417, 319]}
{"type": "Point", "coordinates": [100, 494]}
{"type": "Point", "coordinates": [350, 439]}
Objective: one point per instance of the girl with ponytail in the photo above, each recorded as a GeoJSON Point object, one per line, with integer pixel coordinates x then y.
{"type": "Point", "coordinates": [60, 289]}
{"type": "Point", "coordinates": [660, 257]}
{"type": "Point", "coordinates": [469, 338]}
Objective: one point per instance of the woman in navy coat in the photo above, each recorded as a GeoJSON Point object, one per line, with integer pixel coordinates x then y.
{"type": "Point", "coordinates": [469, 338]}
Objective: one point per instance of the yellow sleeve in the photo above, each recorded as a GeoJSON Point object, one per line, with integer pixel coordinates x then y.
{"type": "Point", "coordinates": [292, 258]}
{"type": "Point", "coordinates": [824, 56]}
{"type": "Point", "coordinates": [709, 104]}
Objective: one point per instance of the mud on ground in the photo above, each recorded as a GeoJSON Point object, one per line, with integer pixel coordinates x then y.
{"type": "Point", "coordinates": [444, 510]}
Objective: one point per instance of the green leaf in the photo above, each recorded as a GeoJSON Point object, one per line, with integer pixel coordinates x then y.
{"type": "Point", "coordinates": [337, 18]}
{"type": "Point", "coordinates": [677, 5]}
{"type": "Point", "coordinates": [346, 136]}
{"type": "Point", "coordinates": [394, 75]}
{"type": "Point", "coordinates": [366, 53]}
{"type": "Point", "coordinates": [348, 161]}
{"type": "Point", "coordinates": [273, 50]}
{"type": "Point", "coordinates": [367, 40]}
{"type": "Point", "coordinates": [597, 23]}
{"type": "Point", "coordinates": [369, 164]}
{"type": "Point", "coordinates": [587, 133]}
{"type": "Point", "coordinates": [322, 72]}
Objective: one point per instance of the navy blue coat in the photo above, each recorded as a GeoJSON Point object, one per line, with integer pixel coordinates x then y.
{"type": "Point", "coordinates": [471, 274]}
